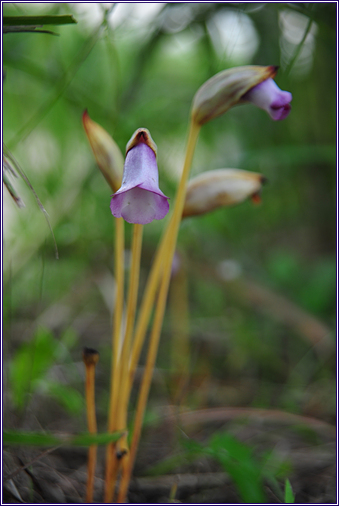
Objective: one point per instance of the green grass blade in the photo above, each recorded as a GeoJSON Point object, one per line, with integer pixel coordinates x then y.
{"type": "Point", "coordinates": [289, 496]}
{"type": "Point", "coordinates": [37, 20]}
{"type": "Point", "coordinates": [38, 439]}
{"type": "Point", "coordinates": [60, 86]}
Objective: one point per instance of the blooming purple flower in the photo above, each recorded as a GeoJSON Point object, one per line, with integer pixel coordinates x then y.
{"type": "Point", "coordinates": [139, 199]}
{"type": "Point", "coordinates": [269, 97]}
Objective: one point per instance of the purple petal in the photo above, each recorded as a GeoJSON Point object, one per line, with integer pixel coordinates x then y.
{"type": "Point", "coordinates": [272, 99]}
{"type": "Point", "coordinates": [139, 206]}
{"type": "Point", "coordinates": [140, 200]}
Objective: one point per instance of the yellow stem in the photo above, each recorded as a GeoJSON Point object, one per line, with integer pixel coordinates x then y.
{"type": "Point", "coordinates": [90, 398]}
{"type": "Point", "coordinates": [112, 469]}
{"type": "Point", "coordinates": [130, 318]}
{"type": "Point", "coordinates": [91, 463]}
{"type": "Point", "coordinates": [119, 248]}
{"type": "Point", "coordinates": [122, 393]}
{"type": "Point", "coordinates": [118, 310]}
{"type": "Point", "coordinates": [146, 308]}
{"type": "Point", "coordinates": [160, 308]}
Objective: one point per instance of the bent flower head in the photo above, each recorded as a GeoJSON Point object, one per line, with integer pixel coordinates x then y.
{"type": "Point", "coordinates": [272, 99]}
{"type": "Point", "coordinates": [139, 199]}
{"type": "Point", "coordinates": [250, 83]}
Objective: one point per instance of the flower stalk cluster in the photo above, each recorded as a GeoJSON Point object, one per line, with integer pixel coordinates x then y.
{"type": "Point", "coordinates": [139, 200]}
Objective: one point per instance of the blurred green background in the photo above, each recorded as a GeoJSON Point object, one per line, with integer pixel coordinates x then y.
{"type": "Point", "coordinates": [260, 279]}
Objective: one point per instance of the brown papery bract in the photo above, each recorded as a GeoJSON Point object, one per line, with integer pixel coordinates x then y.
{"type": "Point", "coordinates": [218, 188]}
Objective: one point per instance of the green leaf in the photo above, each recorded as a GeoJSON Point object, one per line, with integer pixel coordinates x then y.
{"type": "Point", "coordinates": [289, 496]}
{"type": "Point", "coordinates": [237, 460]}
{"type": "Point", "coordinates": [37, 439]}
{"type": "Point", "coordinates": [37, 20]}
{"type": "Point", "coordinates": [68, 397]}
{"type": "Point", "coordinates": [30, 364]}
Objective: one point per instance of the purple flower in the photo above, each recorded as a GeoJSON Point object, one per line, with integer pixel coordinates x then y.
{"type": "Point", "coordinates": [269, 97]}
{"type": "Point", "coordinates": [139, 199]}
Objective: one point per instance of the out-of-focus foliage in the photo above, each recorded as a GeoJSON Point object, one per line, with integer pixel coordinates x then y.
{"type": "Point", "coordinates": [139, 65]}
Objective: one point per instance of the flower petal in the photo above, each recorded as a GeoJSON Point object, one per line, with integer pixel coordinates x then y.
{"type": "Point", "coordinates": [139, 199]}
{"type": "Point", "coordinates": [268, 96]}
{"type": "Point", "coordinates": [138, 205]}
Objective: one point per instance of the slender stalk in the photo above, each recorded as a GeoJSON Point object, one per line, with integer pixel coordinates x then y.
{"type": "Point", "coordinates": [116, 335]}
{"type": "Point", "coordinates": [130, 318]}
{"type": "Point", "coordinates": [146, 307]}
{"type": "Point", "coordinates": [160, 308]}
{"type": "Point", "coordinates": [156, 271]}
{"type": "Point", "coordinates": [121, 392]}
{"type": "Point", "coordinates": [118, 311]}
{"type": "Point", "coordinates": [90, 358]}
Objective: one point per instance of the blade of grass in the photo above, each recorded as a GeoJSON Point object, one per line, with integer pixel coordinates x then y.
{"type": "Point", "coordinates": [299, 47]}
{"type": "Point", "coordinates": [9, 155]}
{"type": "Point", "coordinates": [38, 439]}
{"type": "Point", "coordinates": [59, 88]}
{"type": "Point", "coordinates": [38, 20]}
{"type": "Point", "coordinates": [289, 496]}
{"type": "Point", "coordinates": [23, 29]}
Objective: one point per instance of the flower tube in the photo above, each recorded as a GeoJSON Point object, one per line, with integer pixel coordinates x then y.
{"type": "Point", "coordinates": [139, 199]}
{"type": "Point", "coordinates": [269, 97]}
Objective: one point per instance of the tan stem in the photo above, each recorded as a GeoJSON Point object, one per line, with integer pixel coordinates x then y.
{"type": "Point", "coordinates": [160, 309]}
{"type": "Point", "coordinates": [118, 310]}
{"type": "Point", "coordinates": [130, 318]}
{"type": "Point", "coordinates": [119, 248]}
{"type": "Point", "coordinates": [121, 397]}
{"type": "Point", "coordinates": [91, 464]}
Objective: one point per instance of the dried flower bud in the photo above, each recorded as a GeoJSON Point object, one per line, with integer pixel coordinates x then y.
{"type": "Point", "coordinates": [107, 153]}
{"type": "Point", "coordinates": [225, 89]}
{"type": "Point", "coordinates": [90, 356]}
{"type": "Point", "coordinates": [221, 187]}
